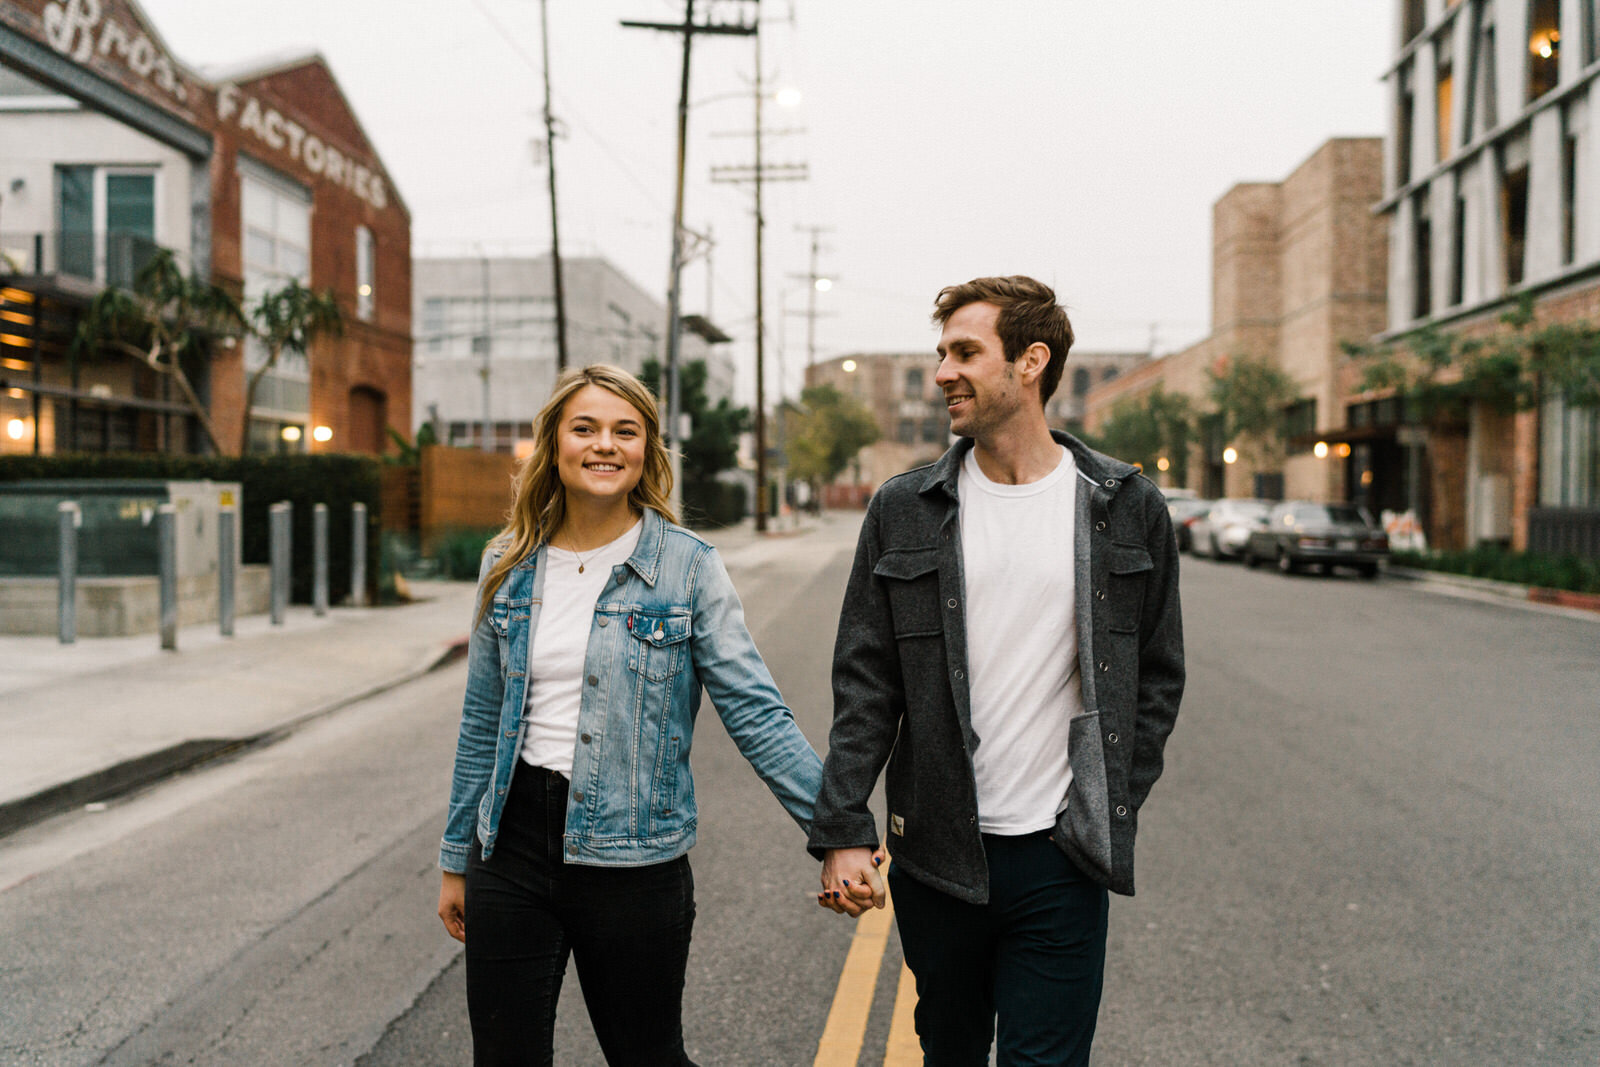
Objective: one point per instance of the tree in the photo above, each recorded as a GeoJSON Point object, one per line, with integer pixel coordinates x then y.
{"type": "Point", "coordinates": [1250, 396]}
{"type": "Point", "coordinates": [167, 322]}
{"type": "Point", "coordinates": [1151, 427]}
{"type": "Point", "coordinates": [1442, 376]}
{"type": "Point", "coordinates": [712, 445]}
{"type": "Point", "coordinates": [288, 320]}
{"type": "Point", "coordinates": [826, 432]}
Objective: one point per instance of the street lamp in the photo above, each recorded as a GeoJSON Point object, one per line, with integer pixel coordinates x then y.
{"type": "Point", "coordinates": [1230, 455]}
{"type": "Point", "coordinates": [824, 284]}
{"type": "Point", "coordinates": [322, 434]}
{"type": "Point", "coordinates": [1320, 450]}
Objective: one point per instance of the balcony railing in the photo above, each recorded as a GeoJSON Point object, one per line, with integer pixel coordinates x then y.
{"type": "Point", "coordinates": [105, 257]}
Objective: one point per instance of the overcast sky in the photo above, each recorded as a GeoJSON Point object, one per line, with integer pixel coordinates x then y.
{"type": "Point", "coordinates": [1080, 142]}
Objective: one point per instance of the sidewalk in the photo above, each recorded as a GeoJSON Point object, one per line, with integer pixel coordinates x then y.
{"type": "Point", "coordinates": [89, 720]}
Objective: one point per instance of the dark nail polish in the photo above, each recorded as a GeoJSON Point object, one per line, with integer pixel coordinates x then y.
{"type": "Point", "coordinates": [847, 883]}
{"type": "Point", "coordinates": [877, 860]}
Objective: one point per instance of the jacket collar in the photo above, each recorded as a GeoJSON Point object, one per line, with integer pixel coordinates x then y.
{"type": "Point", "coordinates": [646, 558]}
{"type": "Point", "coordinates": [1095, 466]}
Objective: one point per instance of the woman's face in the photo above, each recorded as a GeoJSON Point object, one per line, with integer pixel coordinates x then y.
{"type": "Point", "coordinates": [600, 446]}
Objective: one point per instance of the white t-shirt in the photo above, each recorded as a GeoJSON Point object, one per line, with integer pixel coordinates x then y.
{"type": "Point", "coordinates": [559, 646]}
{"type": "Point", "coordinates": [1022, 642]}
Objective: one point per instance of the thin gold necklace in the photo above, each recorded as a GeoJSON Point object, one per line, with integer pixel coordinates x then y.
{"type": "Point", "coordinates": [582, 562]}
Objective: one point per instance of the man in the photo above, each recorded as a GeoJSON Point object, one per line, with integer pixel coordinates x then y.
{"type": "Point", "coordinates": [1011, 644]}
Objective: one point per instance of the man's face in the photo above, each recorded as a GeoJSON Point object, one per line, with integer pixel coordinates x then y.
{"type": "Point", "coordinates": [981, 390]}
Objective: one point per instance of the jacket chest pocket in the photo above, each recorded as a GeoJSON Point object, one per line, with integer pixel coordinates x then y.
{"type": "Point", "coordinates": [658, 644]}
{"type": "Point", "coordinates": [910, 578]}
{"type": "Point", "coordinates": [1128, 568]}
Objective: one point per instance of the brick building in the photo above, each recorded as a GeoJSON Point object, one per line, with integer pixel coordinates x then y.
{"type": "Point", "coordinates": [1491, 191]}
{"type": "Point", "coordinates": [252, 176]}
{"type": "Point", "coordinates": [908, 406]}
{"type": "Point", "coordinates": [1297, 268]}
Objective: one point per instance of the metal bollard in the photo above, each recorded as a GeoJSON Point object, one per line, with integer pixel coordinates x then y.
{"type": "Point", "coordinates": [358, 555]}
{"type": "Point", "coordinates": [227, 568]}
{"type": "Point", "coordinates": [278, 549]}
{"type": "Point", "coordinates": [68, 517]}
{"type": "Point", "coordinates": [319, 559]}
{"type": "Point", "coordinates": [167, 549]}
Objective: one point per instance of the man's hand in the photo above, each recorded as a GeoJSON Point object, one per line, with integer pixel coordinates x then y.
{"type": "Point", "coordinates": [453, 905]}
{"type": "Point", "coordinates": [851, 882]}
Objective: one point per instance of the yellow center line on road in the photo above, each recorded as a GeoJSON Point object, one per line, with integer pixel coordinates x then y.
{"type": "Point", "coordinates": [852, 1000]}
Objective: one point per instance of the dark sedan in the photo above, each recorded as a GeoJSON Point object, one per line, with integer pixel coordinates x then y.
{"type": "Point", "coordinates": [1298, 534]}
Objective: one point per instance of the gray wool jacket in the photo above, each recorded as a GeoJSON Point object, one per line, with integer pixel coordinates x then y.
{"type": "Point", "coordinates": [899, 678]}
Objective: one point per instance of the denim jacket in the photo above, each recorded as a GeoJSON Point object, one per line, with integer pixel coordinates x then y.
{"type": "Point", "coordinates": [900, 690]}
{"type": "Point", "coordinates": [668, 622]}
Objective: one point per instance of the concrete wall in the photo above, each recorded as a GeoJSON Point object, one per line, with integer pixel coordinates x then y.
{"type": "Point", "coordinates": [119, 607]}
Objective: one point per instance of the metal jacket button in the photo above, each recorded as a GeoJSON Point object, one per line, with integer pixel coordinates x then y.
{"type": "Point", "coordinates": [601, 620]}
{"type": "Point", "coordinates": [960, 675]}
{"type": "Point", "coordinates": [1122, 812]}
{"type": "Point", "coordinates": [1101, 525]}
{"type": "Point", "coordinates": [950, 603]}
{"type": "Point", "coordinates": [593, 680]}
{"type": "Point", "coordinates": [578, 796]}
{"type": "Point", "coordinates": [1104, 666]}
{"type": "Point", "coordinates": [1112, 738]}
{"type": "Point", "coordinates": [584, 738]}
{"type": "Point", "coordinates": [1099, 594]}
{"type": "Point", "coordinates": [1111, 483]}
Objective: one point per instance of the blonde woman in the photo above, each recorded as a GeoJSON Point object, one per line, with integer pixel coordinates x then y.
{"type": "Point", "coordinates": [572, 806]}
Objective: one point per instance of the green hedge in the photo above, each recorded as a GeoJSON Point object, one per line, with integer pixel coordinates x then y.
{"type": "Point", "coordinates": [710, 504]}
{"type": "Point", "coordinates": [335, 480]}
{"type": "Point", "coordinates": [1571, 573]}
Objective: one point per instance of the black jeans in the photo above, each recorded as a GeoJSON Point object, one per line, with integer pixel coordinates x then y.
{"type": "Point", "coordinates": [1034, 955]}
{"type": "Point", "coordinates": [627, 927]}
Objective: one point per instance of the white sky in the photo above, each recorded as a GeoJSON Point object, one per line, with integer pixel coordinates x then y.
{"type": "Point", "coordinates": [1079, 141]}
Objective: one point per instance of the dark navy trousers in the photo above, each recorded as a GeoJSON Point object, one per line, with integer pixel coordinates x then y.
{"type": "Point", "coordinates": [1024, 971]}
{"type": "Point", "coordinates": [627, 928]}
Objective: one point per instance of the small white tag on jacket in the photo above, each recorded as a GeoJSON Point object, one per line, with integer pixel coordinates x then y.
{"type": "Point", "coordinates": [897, 825]}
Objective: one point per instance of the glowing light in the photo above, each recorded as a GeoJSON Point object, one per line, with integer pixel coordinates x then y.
{"type": "Point", "coordinates": [788, 96]}
{"type": "Point", "coordinates": [1366, 477]}
{"type": "Point", "coordinates": [15, 429]}
{"type": "Point", "coordinates": [322, 434]}
{"type": "Point", "coordinates": [848, 366]}
{"type": "Point", "coordinates": [290, 434]}
{"type": "Point", "coordinates": [1320, 450]}
{"type": "Point", "coordinates": [1230, 455]}
{"type": "Point", "coordinates": [1344, 450]}
{"type": "Point", "coordinates": [824, 284]}
{"type": "Point", "coordinates": [365, 290]}
{"type": "Point", "coordinates": [1162, 464]}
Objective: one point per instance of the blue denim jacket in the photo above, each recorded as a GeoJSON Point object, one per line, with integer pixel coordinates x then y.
{"type": "Point", "coordinates": [668, 622]}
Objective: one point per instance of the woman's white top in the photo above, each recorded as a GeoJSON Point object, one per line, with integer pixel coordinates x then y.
{"type": "Point", "coordinates": [559, 645]}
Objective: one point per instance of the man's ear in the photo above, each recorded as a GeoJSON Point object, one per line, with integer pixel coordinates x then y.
{"type": "Point", "coordinates": [1031, 364]}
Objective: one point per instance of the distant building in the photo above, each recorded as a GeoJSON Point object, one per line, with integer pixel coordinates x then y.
{"type": "Point", "coordinates": [252, 176]}
{"type": "Point", "coordinates": [908, 405]}
{"type": "Point", "coordinates": [1297, 267]}
{"type": "Point", "coordinates": [499, 313]}
{"type": "Point", "coordinates": [1491, 190]}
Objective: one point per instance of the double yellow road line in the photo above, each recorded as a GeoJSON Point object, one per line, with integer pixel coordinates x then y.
{"type": "Point", "coordinates": [852, 1000]}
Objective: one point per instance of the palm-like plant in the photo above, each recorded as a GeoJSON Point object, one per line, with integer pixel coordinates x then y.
{"type": "Point", "coordinates": [288, 320]}
{"type": "Point", "coordinates": [166, 319]}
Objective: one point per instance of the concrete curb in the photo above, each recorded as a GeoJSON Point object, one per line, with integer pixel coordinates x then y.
{"type": "Point", "coordinates": [150, 768]}
{"type": "Point", "coordinates": [1526, 594]}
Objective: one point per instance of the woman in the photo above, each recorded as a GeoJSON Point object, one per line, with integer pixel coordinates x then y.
{"type": "Point", "coordinates": [572, 806]}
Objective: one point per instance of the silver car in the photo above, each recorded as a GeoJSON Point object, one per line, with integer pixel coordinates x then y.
{"type": "Point", "coordinates": [1224, 529]}
{"type": "Point", "coordinates": [1302, 534]}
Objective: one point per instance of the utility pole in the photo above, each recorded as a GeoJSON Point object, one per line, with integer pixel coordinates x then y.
{"type": "Point", "coordinates": [688, 28]}
{"type": "Point", "coordinates": [555, 229]}
{"type": "Point", "coordinates": [811, 278]}
{"type": "Point", "coordinates": [486, 444]}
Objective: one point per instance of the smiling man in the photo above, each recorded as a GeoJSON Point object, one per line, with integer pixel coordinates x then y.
{"type": "Point", "coordinates": [1011, 645]}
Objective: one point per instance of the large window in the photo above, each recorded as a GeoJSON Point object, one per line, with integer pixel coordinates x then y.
{"type": "Point", "coordinates": [1569, 461]}
{"type": "Point", "coordinates": [516, 327]}
{"type": "Point", "coordinates": [1422, 257]}
{"type": "Point", "coordinates": [276, 217]}
{"type": "Point", "coordinates": [1404, 107]}
{"type": "Point", "coordinates": [366, 288]}
{"type": "Point", "coordinates": [1544, 47]}
{"type": "Point", "coordinates": [914, 383]}
{"type": "Point", "coordinates": [1458, 252]}
{"type": "Point", "coordinates": [1514, 221]}
{"type": "Point", "coordinates": [105, 222]}
{"type": "Point", "coordinates": [1443, 97]}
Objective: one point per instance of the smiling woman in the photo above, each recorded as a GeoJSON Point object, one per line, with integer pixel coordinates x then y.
{"type": "Point", "coordinates": [598, 622]}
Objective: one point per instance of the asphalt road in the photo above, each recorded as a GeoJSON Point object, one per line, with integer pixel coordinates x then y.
{"type": "Point", "coordinates": [1377, 842]}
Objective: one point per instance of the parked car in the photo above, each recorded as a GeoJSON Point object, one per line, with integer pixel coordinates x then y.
{"type": "Point", "coordinates": [1173, 492]}
{"type": "Point", "coordinates": [1221, 532]}
{"type": "Point", "coordinates": [1184, 512]}
{"type": "Point", "coordinates": [1299, 534]}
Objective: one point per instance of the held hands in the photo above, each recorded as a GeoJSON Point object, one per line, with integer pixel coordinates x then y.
{"type": "Point", "coordinates": [852, 880]}
{"type": "Point", "coordinates": [453, 905]}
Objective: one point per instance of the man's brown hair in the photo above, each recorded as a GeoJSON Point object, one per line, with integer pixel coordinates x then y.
{"type": "Point", "coordinates": [1028, 313]}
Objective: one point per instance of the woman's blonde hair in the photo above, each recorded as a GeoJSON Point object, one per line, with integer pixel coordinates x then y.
{"type": "Point", "coordinates": [540, 501]}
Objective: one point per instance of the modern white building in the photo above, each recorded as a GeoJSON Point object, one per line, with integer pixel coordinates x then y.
{"type": "Point", "coordinates": [486, 339]}
{"type": "Point", "coordinates": [1492, 190]}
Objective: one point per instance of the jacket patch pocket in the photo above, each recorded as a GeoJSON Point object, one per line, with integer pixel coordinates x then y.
{"type": "Point", "coordinates": [1129, 567]}
{"type": "Point", "coordinates": [911, 581]}
{"type": "Point", "coordinates": [658, 645]}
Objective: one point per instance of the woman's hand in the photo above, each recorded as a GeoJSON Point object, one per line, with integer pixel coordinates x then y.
{"type": "Point", "coordinates": [453, 905]}
{"type": "Point", "coordinates": [851, 882]}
